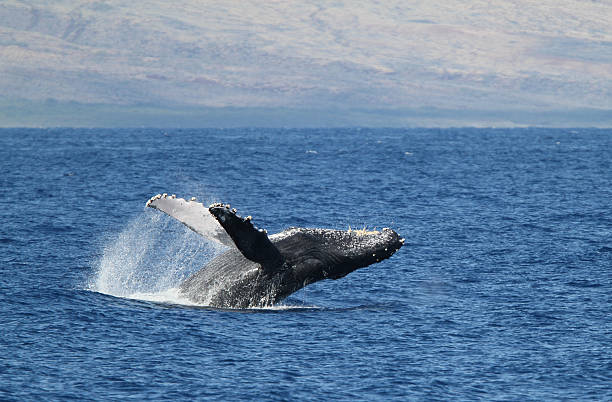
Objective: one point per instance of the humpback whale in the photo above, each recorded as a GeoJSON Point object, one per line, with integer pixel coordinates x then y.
{"type": "Point", "coordinates": [258, 269]}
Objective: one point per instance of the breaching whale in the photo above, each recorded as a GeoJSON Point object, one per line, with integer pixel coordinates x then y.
{"type": "Point", "coordinates": [259, 270]}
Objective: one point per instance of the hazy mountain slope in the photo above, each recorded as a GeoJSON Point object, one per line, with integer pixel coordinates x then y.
{"type": "Point", "coordinates": [361, 54]}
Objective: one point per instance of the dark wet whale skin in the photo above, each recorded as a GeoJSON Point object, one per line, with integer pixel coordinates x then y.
{"type": "Point", "coordinates": [286, 262]}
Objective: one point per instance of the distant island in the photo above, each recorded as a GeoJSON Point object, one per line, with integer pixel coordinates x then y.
{"type": "Point", "coordinates": [226, 64]}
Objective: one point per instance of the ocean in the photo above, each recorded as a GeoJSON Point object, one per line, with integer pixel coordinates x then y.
{"type": "Point", "coordinates": [502, 291]}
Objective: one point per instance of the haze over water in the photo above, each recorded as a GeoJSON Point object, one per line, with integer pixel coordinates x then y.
{"type": "Point", "coordinates": [502, 290]}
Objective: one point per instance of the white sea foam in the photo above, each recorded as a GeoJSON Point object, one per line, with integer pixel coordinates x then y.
{"type": "Point", "coordinates": [168, 296]}
{"type": "Point", "coordinates": [149, 258]}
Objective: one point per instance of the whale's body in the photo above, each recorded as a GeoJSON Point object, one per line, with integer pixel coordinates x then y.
{"type": "Point", "coordinates": [259, 270]}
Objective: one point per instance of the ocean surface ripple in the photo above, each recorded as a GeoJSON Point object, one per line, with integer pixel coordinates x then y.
{"type": "Point", "coordinates": [503, 290]}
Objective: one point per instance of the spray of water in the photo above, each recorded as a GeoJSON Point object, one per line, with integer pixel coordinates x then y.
{"type": "Point", "coordinates": [149, 258]}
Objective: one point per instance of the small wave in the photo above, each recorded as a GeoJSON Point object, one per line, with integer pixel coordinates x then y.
{"type": "Point", "coordinates": [583, 283]}
{"type": "Point", "coordinates": [173, 297]}
{"type": "Point", "coordinates": [281, 308]}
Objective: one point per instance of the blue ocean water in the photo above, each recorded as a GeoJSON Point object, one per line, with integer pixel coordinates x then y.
{"type": "Point", "coordinates": [503, 290]}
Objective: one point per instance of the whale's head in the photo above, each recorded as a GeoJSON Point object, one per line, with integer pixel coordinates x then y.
{"type": "Point", "coordinates": [317, 254]}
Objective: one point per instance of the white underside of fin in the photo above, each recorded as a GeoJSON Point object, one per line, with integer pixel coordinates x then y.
{"type": "Point", "coordinates": [192, 214]}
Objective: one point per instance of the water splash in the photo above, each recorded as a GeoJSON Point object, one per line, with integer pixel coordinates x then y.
{"type": "Point", "coordinates": [151, 256]}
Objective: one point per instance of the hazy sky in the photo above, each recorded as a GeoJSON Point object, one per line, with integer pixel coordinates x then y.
{"type": "Point", "coordinates": [361, 58]}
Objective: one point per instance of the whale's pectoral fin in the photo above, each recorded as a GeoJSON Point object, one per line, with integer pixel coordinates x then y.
{"type": "Point", "coordinates": [192, 214]}
{"type": "Point", "coordinates": [253, 243]}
